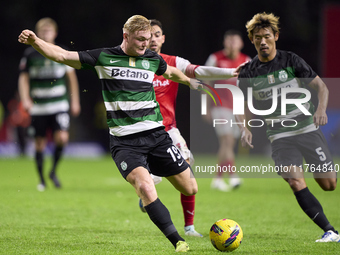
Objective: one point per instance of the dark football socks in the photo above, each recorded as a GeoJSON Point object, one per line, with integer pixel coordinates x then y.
{"type": "Point", "coordinates": [311, 206]}
{"type": "Point", "coordinates": [56, 157]}
{"type": "Point", "coordinates": [39, 162]}
{"type": "Point", "coordinates": [160, 216]}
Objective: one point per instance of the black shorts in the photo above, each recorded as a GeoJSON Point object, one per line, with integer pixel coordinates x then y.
{"type": "Point", "coordinates": [55, 122]}
{"type": "Point", "coordinates": [312, 146]}
{"type": "Point", "coordinates": [152, 150]}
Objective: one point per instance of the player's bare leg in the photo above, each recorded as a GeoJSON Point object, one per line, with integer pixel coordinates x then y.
{"type": "Point", "coordinates": [327, 181]}
{"type": "Point", "coordinates": [141, 180]}
{"type": "Point", "coordinates": [295, 177]}
{"type": "Point", "coordinates": [184, 182]}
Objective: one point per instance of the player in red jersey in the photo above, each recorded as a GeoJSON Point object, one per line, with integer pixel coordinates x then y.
{"type": "Point", "coordinates": [166, 93]}
{"type": "Point", "coordinates": [229, 57]}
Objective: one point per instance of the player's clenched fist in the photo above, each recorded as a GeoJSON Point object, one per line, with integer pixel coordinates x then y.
{"type": "Point", "coordinates": [27, 37]}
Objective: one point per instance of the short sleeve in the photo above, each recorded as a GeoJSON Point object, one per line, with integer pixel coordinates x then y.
{"type": "Point", "coordinates": [302, 69]}
{"type": "Point", "coordinates": [162, 66]}
{"type": "Point", "coordinates": [89, 58]}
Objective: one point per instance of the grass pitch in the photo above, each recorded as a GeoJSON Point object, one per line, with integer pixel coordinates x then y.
{"type": "Point", "coordinates": [96, 212]}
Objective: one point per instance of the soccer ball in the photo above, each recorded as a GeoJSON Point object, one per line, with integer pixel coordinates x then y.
{"type": "Point", "coordinates": [226, 235]}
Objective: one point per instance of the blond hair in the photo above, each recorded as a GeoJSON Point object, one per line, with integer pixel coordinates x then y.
{"type": "Point", "coordinates": [262, 20]}
{"type": "Point", "coordinates": [136, 23]}
{"type": "Point", "coordinates": [46, 21]}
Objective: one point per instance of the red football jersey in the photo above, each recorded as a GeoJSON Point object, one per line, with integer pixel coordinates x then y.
{"type": "Point", "coordinates": [166, 91]}
{"type": "Point", "coordinates": [218, 59]}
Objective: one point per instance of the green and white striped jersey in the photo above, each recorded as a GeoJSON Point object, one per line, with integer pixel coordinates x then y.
{"type": "Point", "coordinates": [286, 70]}
{"type": "Point", "coordinates": [48, 88]}
{"type": "Point", "coordinates": [127, 88]}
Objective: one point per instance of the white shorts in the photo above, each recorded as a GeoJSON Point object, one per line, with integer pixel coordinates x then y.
{"type": "Point", "coordinates": [180, 143]}
{"type": "Point", "coordinates": [225, 129]}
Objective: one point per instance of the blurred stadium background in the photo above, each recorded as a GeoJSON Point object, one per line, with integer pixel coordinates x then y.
{"type": "Point", "coordinates": [193, 29]}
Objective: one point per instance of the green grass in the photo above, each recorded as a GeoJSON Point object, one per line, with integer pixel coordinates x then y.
{"type": "Point", "coordinates": [96, 212]}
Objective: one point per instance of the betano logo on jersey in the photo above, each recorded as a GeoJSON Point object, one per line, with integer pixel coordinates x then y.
{"type": "Point", "coordinates": [129, 74]}
{"type": "Point", "coordinates": [267, 94]}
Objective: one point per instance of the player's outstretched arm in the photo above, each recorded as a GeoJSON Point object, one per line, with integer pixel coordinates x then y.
{"type": "Point", "coordinates": [213, 73]}
{"type": "Point", "coordinates": [176, 75]}
{"type": "Point", "coordinates": [172, 73]}
{"type": "Point", "coordinates": [320, 116]}
{"type": "Point", "coordinates": [49, 50]}
{"type": "Point", "coordinates": [210, 72]}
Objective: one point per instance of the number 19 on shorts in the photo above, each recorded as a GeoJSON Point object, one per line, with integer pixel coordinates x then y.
{"type": "Point", "coordinates": [175, 154]}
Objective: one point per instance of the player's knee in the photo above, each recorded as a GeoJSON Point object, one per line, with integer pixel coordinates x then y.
{"type": "Point", "coordinates": [194, 191]}
{"type": "Point", "coordinates": [146, 188]}
{"type": "Point", "coordinates": [191, 191]}
{"type": "Point", "coordinates": [296, 184]}
{"type": "Point", "coordinates": [61, 138]}
{"type": "Point", "coordinates": [329, 186]}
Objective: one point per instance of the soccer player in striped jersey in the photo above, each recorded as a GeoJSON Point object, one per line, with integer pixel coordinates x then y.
{"type": "Point", "coordinates": [229, 57]}
{"type": "Point", "coordinates": [268, 74]}
{"type": "Point", "coordinates": [44, 93]}
{"type": "Point", "coordinates": [139, 143]}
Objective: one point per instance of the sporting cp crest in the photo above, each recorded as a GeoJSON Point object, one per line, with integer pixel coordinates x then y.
{"type": "Point", "coordinates": [145, 64]}
{"type": "Point", "coordinates": [283, 76]}
{"type": "Point", "coordinates": [123, 165]}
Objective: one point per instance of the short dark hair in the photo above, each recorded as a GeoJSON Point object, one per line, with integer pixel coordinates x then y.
{"type": "Point", "coordinates": [155, 22]}
{"type": "Point", "coordinates": [232, 32]}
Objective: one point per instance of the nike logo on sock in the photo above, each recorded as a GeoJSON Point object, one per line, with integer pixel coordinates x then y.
{"type": "Point", "coordinates": [315, 216]}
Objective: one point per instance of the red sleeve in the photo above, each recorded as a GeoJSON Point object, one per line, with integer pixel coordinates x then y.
{"type": "Point", "coordinates": [190, 71]}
